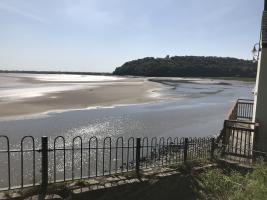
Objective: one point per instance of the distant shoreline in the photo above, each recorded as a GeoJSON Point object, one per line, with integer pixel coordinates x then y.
{"type": "Point", "coordinates": [56, 72]}
{"type": "Point", "coordinates": [172, 79]}
{"type": "Point", "coordinates": [249, 79]}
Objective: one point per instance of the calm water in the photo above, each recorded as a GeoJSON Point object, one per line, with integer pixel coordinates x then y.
{"type": "Point", "coordinates": [189, 109]}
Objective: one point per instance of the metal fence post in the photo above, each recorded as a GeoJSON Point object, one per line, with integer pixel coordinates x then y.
{"type": "Point", "coordinates": [212, 149]}
{"type": "Point", "coordinates": [44, 162]}
{"type": "Point", "coordinates": [137, 155]}
{"type": "Point", "coordinates": [185, 149]}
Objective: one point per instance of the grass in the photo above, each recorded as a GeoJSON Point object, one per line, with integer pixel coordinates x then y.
{"type": "Point", "coordinates": [222, 185]}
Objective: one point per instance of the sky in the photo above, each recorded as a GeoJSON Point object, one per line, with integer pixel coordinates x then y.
{"type": "Point", "coordinates": [100, 35]}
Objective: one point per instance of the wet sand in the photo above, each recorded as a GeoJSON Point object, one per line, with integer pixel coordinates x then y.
{"type": "Point", "coordinates": [91, 94]}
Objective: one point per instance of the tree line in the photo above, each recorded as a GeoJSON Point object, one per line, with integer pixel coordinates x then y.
{"type": "Point", "coordinates": [188, 66]}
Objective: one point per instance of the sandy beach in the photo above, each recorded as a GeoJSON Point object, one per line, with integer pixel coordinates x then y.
{"type": "Point", "coordinates": [28, 94]}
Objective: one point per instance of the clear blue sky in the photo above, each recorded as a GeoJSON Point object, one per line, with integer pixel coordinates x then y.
{"type": "Point", "coordinates": [98, 35]}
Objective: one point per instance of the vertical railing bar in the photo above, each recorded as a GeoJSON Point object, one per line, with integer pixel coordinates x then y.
{"type": "Point", "coordinates": [133, 151]}
{"type": "Point", "coordinates": [44, 168]}
{"type": "Point", "coordinates": [22, 159]}
{"type": "Point", "coordinates": [81, 162]}
{"type": "Point", "coordinates": [245, 149]}
{"type": "Point", "coordinates": [161, 150]}
{"type": "Point", "coordinates": [137, 160]}
{"type": "Point", "coordinates": [185, 149]}
{"type": "Point", "coordinates": [146, 152]}
{"type": "Point", "coordinates": [8, 160]}
{"type": "Point", "coordinates": [142, 144]}
{"type": "Point", "coordinates": [104, 148]}
{"type": "Point", "coordinates": [103, 158]}
{"type": "Point", "coordinates": [21, 162]}
{"type": "Point", "coordinates": [247, 110]}
{"type": "Point", "coordinates": [175, 149]}
{"type": "Point", "coordinates": [237, 138]}
{"type": "Point", "coordinates": [116, 156]}
{"type": "Point", "coordinates": [89, 155]}
{"type": "Point", "coordinates": [8, 163]}
{"type": "Point", "coordinates": [153, 148]}
{"type": "Point", "coordinates": [181, 147]}
{"type": "Point", "coordinates": [249, 147]}
{"type": "Point", "coordinates": [242, 106]}
{"type": "Point", "coordinates": [170, 150]}
{"type": "Point", "coordinates": [206, 147]}
{"type": "Point", "coordinates": [64, 157]}
{"type": "Point", "coordinates": [232, 145]}
{"type": "Point", "coordinates": [33, 161]}
{"type": "Point", "coordinates": [110, 156]}
{"type": "Point", "coordinates": [127, 157]}
{"type": "Point", "coordinates": [122, 155]}
{"type": "Point", "coordinates": [96, 159]}
{"type": "Point", "coordinates": [72, 161]}
{"type": "Point", "coordinates": [210, 147]}
{"type": "Point", "coordinates": [203, 146]}
{"type": "Point", "coordinates": [241, 109]}
{"type": "Point", "coordinates": [192, 148]}
{"type": "Point", "coordinates": [54, 155]}
{"type": "Point", "coordinates": [130, 140]}
{"type": "Point", "coordinates": [89, 158]}
{"type": "Point", "coordinates": [73, 154]}
{"type": "Point", "coordinates": [200, 151]}
{"type": "Point", "coordinates": [195, 148]}
{"type": "Point", "coordinates": [228, 142]}
{"type": "Point", "coordinates": [241, 143]}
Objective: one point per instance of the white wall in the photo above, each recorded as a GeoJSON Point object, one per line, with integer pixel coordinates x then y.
{"type": "Point", "coordinates": [260, 107]}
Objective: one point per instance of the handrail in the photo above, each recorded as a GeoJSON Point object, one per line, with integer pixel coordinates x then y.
{"type": "Point", "coordinates": [241, 110]}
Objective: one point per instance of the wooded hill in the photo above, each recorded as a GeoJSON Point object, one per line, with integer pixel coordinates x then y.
{"type": "Point", "coordinates": [188, 66]}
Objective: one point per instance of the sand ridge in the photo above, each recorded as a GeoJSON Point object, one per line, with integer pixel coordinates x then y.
{"type": "Point", "coordinates": [91, 94]}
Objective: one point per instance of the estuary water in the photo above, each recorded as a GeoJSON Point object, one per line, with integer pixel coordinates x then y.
{"type": "Point", "coordinates": [188, 108]}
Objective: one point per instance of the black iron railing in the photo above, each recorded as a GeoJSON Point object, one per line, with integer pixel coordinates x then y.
{"type": "Point", "coordinates": [33, 162]}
